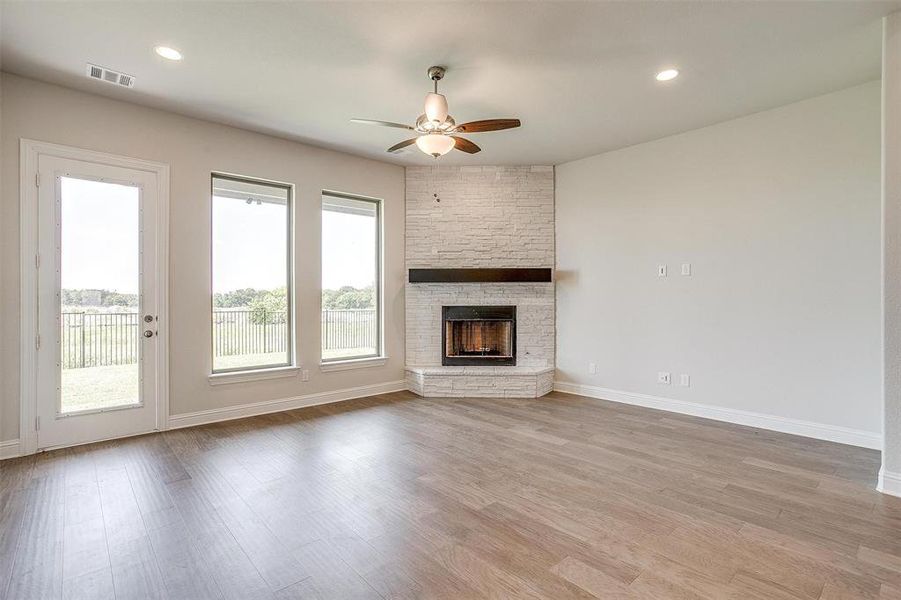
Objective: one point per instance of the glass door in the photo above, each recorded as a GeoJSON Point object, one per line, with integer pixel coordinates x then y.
{"type": "Point", "coordinates": [96, 302]}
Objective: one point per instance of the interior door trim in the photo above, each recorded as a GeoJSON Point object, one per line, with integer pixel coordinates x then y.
{"type": "Point", "coordinates": [30, 152]}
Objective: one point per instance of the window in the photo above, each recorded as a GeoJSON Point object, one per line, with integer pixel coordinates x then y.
{"type": "Point", "coordinates": [252, 306]}
{"type": "Point", "coordinates": [351, 277]}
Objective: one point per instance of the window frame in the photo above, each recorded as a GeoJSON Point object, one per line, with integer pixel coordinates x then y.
{"type": "Point", "coordinates": [361, 360]}
{"type": "Point", "coordinates": [291, 365]}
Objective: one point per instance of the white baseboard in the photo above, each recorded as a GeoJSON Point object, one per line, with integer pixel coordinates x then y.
{"type": "Point", "coordinates": [889, 483]}
{"type": "Point", "coordinates": [9, 449]}
{"type": "Point", "coordinates": [270, 406]}
{"type": "Point", "coordinates": [820, 431]}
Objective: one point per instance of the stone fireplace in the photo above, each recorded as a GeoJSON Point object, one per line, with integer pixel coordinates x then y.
{"type": "Point", "coordinates": [479, 297]}
{"type": "Point", "coordinates": [478, 335]}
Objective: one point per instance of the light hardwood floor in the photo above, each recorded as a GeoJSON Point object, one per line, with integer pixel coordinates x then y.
{"type": "Point", "coordinates": [396, 496]}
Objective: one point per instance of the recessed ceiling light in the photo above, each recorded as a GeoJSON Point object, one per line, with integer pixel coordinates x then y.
{"type": "Point", "coordinates": [667, 74]}
{"type": "Point", "coordinates": [168, 53]}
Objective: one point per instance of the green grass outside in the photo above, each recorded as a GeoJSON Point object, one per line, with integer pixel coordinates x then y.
{"type": "Point", "coordinates": [347, 352]}
{"type": "Point", "coordinates": [99, 387]}
{"type": "Point", "coordinates": [239, 361]}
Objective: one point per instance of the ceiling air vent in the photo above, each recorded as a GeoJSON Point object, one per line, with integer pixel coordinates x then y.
{"type": "Point", "coordinates": [110, 76]}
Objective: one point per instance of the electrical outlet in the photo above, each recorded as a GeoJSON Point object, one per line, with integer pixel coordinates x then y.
{"type": "Point", "coordinates": [661, 270]}
{"type": "Point", "coordinates": [304, 375]}
{"type": "Point", "coordinates": [663, 377]}
{"type": "Point", "coordinates": [592, 368]}
{"type": "Point", "coordinates": [684, 380]}
{"type": "Point", "coordinates": [686, 268]}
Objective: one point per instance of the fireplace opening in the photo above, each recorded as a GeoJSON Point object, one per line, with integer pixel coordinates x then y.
{"type": "Point", "coordinates": [478, 335]}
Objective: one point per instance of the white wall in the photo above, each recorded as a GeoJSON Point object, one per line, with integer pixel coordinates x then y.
{"type": "Point", "coordinates": [779, 215]}
{"type": "Point", "coordinates": [193, 148]}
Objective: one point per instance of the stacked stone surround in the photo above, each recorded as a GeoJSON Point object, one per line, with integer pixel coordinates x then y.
{"type": "Point", "coordinates": [534, 318]}
{"type": "Point", "coordinates": [471, 217]}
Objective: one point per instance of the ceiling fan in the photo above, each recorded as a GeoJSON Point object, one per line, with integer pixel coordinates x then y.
{"type": "Point", "coordinates": [437, 130]}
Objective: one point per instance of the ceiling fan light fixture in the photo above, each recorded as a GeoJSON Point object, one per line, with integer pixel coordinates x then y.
{"type": "Point", "coordinates": [435, 144]}
{"type": "Point", "coordinates": [436, 107]}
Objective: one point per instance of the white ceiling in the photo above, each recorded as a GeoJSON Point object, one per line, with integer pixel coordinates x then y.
{"type": "Point", "coordinates": [579, 75]}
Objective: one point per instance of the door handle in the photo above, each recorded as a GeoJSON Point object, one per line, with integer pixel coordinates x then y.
{"type": "Point", "coordinates": [148, 333]}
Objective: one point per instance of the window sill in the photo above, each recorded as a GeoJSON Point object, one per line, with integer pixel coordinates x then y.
{"type": "Point", "coordinates": [255, 375]}
{"type": "Point", "coordinates": [353, 363]}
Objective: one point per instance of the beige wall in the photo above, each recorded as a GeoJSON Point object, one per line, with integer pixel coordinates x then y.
{"type": "Point", "coordinates": [891, 204]}
{"type": "Point", "coordinates": [779, 215]}
{"type": "Point", "coordinates": [193, 148]}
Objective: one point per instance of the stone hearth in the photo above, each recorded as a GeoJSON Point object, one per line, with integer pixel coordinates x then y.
{"type": "Point", "coordinates": [480, 382]}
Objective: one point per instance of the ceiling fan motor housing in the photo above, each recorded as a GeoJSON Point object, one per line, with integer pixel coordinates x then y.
{"type": "Point", "coordinates": [436, 108]}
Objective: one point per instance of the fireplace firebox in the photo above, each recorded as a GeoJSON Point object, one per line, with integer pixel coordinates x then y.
{"type": "Point", "coordinates": [478, 335]}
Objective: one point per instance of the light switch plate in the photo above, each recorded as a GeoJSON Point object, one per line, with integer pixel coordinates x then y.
{"type": "Point", "coordinates": [684, 380]}
{"type": "Point", "coordinates": [663, 377]}
{"type": "Point", "coordinates": [686, 268]}
{"type": "Point", "coordinates": [661, 270]}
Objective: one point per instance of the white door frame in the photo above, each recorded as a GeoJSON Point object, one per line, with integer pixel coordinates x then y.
{"type": "Point", "coordinates": [29, 153]}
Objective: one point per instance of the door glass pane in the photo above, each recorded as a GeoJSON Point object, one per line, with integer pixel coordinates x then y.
{"type": "Point", "coordinates": [100, 282]}
{"type": "Point", "coordinates": [251, 319]}
{"type": "Point", "coordinates": [350, 278]}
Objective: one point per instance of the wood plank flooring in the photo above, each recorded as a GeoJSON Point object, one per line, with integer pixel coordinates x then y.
{"type": "Point", "coordinates": [397, 496]}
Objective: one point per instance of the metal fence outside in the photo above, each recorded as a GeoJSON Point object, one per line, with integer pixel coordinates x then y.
{"type": "Point", "coordinates": [238, 332]}
{"type": "Point", "coordinates": [106, 339]}
{"type": "Point", "coordinates": [349, 328]}
{"type": "Point", "coordinates": [99, 339]}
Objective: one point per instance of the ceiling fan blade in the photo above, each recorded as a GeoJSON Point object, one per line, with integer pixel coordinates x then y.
{"type": "Point", "coordinates": [465, 145]}
{"type": "Point", "coordinates": [488, 125]}
{"type": "Point", "coordinates": [401, 145]}
{"type": "Point", "coordinates": [382, 123]}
